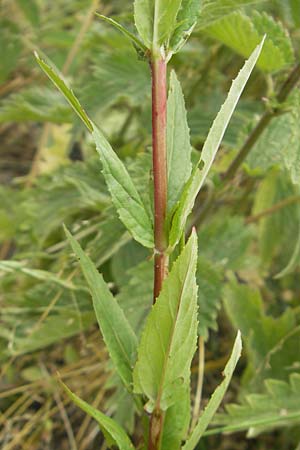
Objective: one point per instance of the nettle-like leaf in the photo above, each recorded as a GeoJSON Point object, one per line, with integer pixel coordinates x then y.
{"type": "Point", "coordinates": [209, 281]}
{"type": "Point", "coordinates": [278, 232]}
{"type": "Point", "coordinates": [277, 406]}
{"type": "Point", "coordinates": [124, 194]}
{"type": "Point", "coordinates": [213, 10]}
{"type": "Point", "coordinates": [178, 143]}
{"type": "Point", "coordinates": [118, 335]}
{"type": "Point", "coordinates": [216, 398]}
{"type": "Point", "coordinates": [35, 104]}
{"type": "Point", "coordinates": [262, 332]}
{"type": "Point", "coordinates": [210, 149]}
{"type": "Point", "coordinates": [168, 341]}
{"type": "Point", "coordinates": [279, 144]}
{"type": "Point", "coordinates": [241, 33]}
{"type": "Point", "coordinates": [113, 433]}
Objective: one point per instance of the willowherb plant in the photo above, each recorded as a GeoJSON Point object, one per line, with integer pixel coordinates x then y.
{"type": "Point", "coordinates": [156, 370]}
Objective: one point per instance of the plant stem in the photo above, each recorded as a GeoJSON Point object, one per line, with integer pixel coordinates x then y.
{"type": "Point", "coordinates": [264, 121]}
{"type": "Point", "coordinates": [155, 430]}
{"type": "Point", "coordinates": [273, 209]}
{"type": "Point", "coordinates": [159, 144]}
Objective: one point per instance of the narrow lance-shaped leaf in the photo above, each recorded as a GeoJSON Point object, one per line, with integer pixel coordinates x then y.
{"type": "Point", "coordinates": [136, 41]}
{"type": "Point", "coordinates": [169, 339]}
{"type": "Point", "coordinates": [216, 398]}
{"type": "Point", "coordinates": [58, 81]}
{"type": "Point", "coordinates": [210, 148]}
{"type": "Point", "coordinates": [124, 194]}
{"type": "Point", "coordinates": [113, 433]}
{"type": "Point", "coordinates": [178, 142]}
{"type": "Point", "coordinates": [116, 331]}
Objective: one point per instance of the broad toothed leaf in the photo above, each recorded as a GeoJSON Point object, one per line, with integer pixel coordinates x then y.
{"type": "Point", "coordinates": [169, 339]}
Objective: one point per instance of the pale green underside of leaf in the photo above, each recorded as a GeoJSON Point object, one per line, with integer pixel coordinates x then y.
{"type": "Point", "coordinates": [242, 33]}
{"type": "Point", "coordinates": [114, 434]}
{"type": "Point", "coordinates": [178, 142]}
{"type": "Point", "coordinates": [124, 194]}
{"type": "Point", "coordinates": [155, 20]}
{"type": "Point", "coordinates": [118, 335]}
{"type": "Point", "coordinates": [57, 80]}
{"type": "Point", "coordinates": [278, 406]}
{"type": "Point", "coordinates": [168, 341]}
{"type": "Point", "coordinates": [216, 398]}
{"type": "Point", "coordinates": [186, 20]}
{"type": "Point", "coordinates": [210, 148]}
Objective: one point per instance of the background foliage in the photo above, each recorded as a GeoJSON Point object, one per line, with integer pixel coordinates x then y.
{"type": "Point", "coordinates": [248, 228]}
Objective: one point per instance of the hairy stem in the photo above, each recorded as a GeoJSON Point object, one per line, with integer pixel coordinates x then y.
{"type": "Point", "coordinates": [159, 144]}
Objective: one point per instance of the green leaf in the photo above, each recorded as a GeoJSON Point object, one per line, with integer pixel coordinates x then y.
{"type": "Point", "coordinates": [209, 282]}
{"type": "Point", "coordinates": [143, 17]}
{"type": "Point", "coordinates": [124, 30]}
{"type": "Point", "coordinates": [125, 196]}
{"type": "Point", "coordinates": [186, 20]}
{"type": "Point", "coordinates": [177, 420]}
{"type": "Point", "coordinates": [210, 149]}
{"type": "Point", "coordinates": [114, 434]}
{"type": "Point", "coordinates": [262, 332]}
{"type": "Point", "coordinates": [58, 81]}
{"type": "Point", "coordinates": [30, 10]}
{"type": "Point", "coordinates": [216, 398]}
{"type": "Point", "coordinates": [277, 406]}
{"type": "Point", "coordinates": [242, 33]}
{"type": "Point", "coordinates": [136, 297]}
{"type": "Point", "coordinates": [35, 104]}
{"type": "Point", "coordinates": [168, 341]}
{"type": "Point", "coordinates": [156, 20]}
{"type": "Point", "coordinates": [278, 235]}
{"type": "Point", "coordinates": [213, 10]}
{"type": "Point", "coordinates": [178, 143]}
{"type": "Point", "coordinates": [117, 333]}
{"type": "Point", "coordinates": [10, 40]}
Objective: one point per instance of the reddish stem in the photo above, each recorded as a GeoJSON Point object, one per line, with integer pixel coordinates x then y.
{"type": "Point", "coordinates": [159, 144]}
